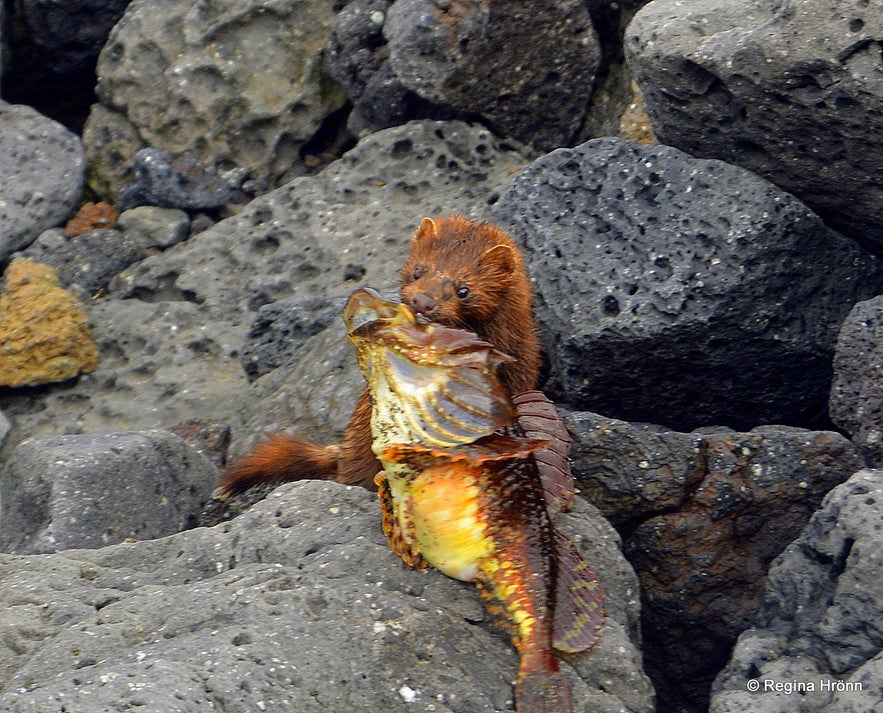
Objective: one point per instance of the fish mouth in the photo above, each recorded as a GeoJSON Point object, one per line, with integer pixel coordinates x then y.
{"type": "Point", "coordinates": [367, 311]}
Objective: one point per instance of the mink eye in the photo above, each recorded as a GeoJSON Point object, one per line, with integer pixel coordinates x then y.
{"type": "Point", "coordinates": [418, 273]}
{"type": "Point", "coordinates": [463, 293]}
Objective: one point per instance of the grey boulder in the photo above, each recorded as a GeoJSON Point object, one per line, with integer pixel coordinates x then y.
{"type": "Point", "coordinates": [42, 167]}
{"type": "Point", "coordinates": [61, 492]}
{"type": "Point", "coordinates": [791, 91]}
{"type": "Point", "coordinates": [856, 403]}
{"type": "Point", "coordinates": [682, 291]}
{"type": "Point", "coordinates": [238, 87]}
{"type": "Point", "coordinates": [817, 626]}
{"type": "Point", "coordinates": [298, 604]}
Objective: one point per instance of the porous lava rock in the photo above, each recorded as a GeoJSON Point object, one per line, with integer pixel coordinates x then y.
{"type": "Point", "coordinates": [793, 92]}
{"type": "Point", "coordinates": [682, 291]}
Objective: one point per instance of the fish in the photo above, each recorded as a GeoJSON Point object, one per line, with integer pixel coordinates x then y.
{"type": "Point", "coordinates": [461, 490]}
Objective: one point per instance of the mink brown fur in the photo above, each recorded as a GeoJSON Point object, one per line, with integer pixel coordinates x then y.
{"type": "Point", "coordinates": [459, 273]}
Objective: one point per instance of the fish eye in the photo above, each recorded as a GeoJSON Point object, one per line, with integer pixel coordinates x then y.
{"type": "Point", "coordinates": [463, 293]}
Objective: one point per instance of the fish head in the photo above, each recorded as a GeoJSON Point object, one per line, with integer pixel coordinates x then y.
{"type": "Point", "coordinates": [430, 384]}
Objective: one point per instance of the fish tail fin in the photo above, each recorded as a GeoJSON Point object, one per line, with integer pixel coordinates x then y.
{"type": "Point", "coordinates": [542, 692]}
{"type": "Point", "coordinates": [579, 600]}
{"type": "Point", "coordinates": [280, 458]}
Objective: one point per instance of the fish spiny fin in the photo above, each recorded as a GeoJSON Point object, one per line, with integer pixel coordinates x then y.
{"type": "Point", "coordinates": [579, 600]}
{"type": "Point", "coordinates": [538, 419]}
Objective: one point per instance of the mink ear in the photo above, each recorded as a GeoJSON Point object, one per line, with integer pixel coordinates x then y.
{"type": "Point", "coordinates": [426, 232]}
{"type": "Point", "coordinates": [499, 259]}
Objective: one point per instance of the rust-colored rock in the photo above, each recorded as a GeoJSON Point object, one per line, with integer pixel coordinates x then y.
{"type": "Point", "coordinates": [44, 337]}
{"type": "Point", "coordinates": [91, 216]}
{"type": "Point", "coordinates": [702, 516]}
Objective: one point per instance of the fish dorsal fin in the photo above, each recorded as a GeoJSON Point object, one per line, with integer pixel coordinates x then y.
{"type": "Point", "coordinates": [538, 419]}
{"type": "Point", "coordinates": [579, 600]}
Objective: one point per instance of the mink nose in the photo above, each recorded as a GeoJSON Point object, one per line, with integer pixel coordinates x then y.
{"type": "Point", "coordinates": [423, 303]}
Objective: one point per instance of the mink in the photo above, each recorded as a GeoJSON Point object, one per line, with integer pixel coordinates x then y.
{"type": "Point", "coordinates": [459, 273]}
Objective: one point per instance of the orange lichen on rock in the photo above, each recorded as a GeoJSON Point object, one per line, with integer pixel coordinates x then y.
{"type": "Point", "coordinates": [44, 337]}
{"type": "Point", "coordinates": [91, 216]}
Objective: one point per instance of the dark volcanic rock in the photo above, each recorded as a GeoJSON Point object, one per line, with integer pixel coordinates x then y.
{"type": "Point", "coordinates": [682, 291]}
{"type": "Point", "coordinates": [298, 605]}
{"type": "Point", "coordinates": [280, 328]}
{"type": "Point", "coordinates": [90, 260]}
{"type": "Point", "coordinates": [703, 515]}
{"type": "Point", "coordinates": [63, 492]}
{"type": "Point", "coordinates": [358, 58]}
{"type": "Point", "coordinates": [856, 403]}
{"type": "Point", "coordinates": [160, 179]}
{"type": "Point", "coordinates": [526, 67]}
{"type": "Point", "coordinates": [791, 91]}
{"type": "Point", "coordinates": [818, 625]}
{"type": "Point", "coordinates": [633, 471]}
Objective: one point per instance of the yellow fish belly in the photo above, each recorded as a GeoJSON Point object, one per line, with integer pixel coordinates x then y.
{"type": "Point", "coordinates": [441, 511]}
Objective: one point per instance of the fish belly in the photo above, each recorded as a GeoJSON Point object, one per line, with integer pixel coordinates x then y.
{"type": "Point", "coordinates": [441, 506]}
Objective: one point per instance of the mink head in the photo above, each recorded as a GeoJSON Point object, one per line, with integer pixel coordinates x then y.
{"type": "Point", "coordinates": [458, 272]}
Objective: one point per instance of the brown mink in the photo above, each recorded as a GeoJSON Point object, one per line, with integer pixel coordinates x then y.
{"type": "Point", "coordinates": [459, 273]}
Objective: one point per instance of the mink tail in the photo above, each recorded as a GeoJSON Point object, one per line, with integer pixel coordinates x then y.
{"type": "Point", "coordinates": [283, 458]}
{"type": "Point", "coordinates": [279, 459]}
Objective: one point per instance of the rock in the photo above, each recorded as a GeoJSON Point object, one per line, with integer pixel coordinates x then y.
{"type": "Point", "coordinates": [856, 403]}
{"type": "Point", "coordinates": [159, 179]}
{"type": "Point", "coordinates": [282, 327]}
{"type": "Point", "coordinates": [254, 614]}
{"type": "Point", "coordinates": [234, 86]}
{"type": "Point", "coordinates": [631, 471]}
{"type": "Point", "coordinates": [170, 329]}
{"type": "Point", "coordinates": [703, 566]}
{"type": "Point", "coordinates": [682, 291]}
{"type": "Point", "coordinates": [90, 260]}
{"type": "Point", "coordinates": [111, 143]}
{"type": "Point", "coordinates": [210, 438]}
{"type": "Point", "coordinates": [358, 58]}
{"type": "Point", "coordinates": [526, 67]}
{"type": "Point", "coordinates": [43, 332]}
{"type": "Point", "coordinates": [65, 492]}
{"type": "Point", "coordinates": [67, 37]}
{"type": "Point", "coordinates": [815, 626]}
{"type": "Point", "coordinates": [5, 428]}
{"type": "Point", "coordinates": [41, 175]}
{"type": "Point", "coordinates": [703, 515]}
{"type": "Point", "coordinates": [795, 96]}
{"type": "Point", "coordinates": [152, 227]}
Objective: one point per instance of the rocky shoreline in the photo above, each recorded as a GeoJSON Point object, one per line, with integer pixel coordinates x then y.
{"type": "Point", "coordinates": [710, 308]}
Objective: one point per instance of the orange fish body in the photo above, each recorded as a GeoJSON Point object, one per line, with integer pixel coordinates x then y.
{"type": "Point", "coordinates": [461, 492]}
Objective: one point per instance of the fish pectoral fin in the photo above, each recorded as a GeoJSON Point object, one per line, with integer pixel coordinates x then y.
{"type": "Point", "coordinates": [579, 600]}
